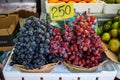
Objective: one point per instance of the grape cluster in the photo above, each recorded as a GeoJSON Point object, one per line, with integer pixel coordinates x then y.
{"type": "Point", "coordinates": [78, 45]}
{"type": "Point", "coordinates": [32, 45]}
{"type": "Point", "coordinates": [55, 41]}
{"type": "Point", "coordinates": [89, 46]}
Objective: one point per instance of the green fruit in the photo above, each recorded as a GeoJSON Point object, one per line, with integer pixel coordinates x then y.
{"type": "Point", "coordinates": [119, 22]}
{"type": "Point", "coordinates": [105, 37]}
{"type": "Point", "coordinates": [118, 57]}
{"type": "Point", "coordinates": [110, 1]}
{"type": "Point", "coordinates": [118, 52]}
{"type": "Point", "coordinates": [114, 45]}
{"type": "Point", "coordinates": [109, 22]}
{"type": "Point", "coordinates": [116, 18]}
{"type": "Point", "coordinates": [114, 33]}
{"type": "Point", "coordinates": [106, 27]}
{"type": "Point", "coordinates": [119, 34]}
{"type": "Point", "coordinates": [115, 25]}
{"type": "Point", "coordinates": [118, 1]}
{"type": "Point", "coordinates": [100, 30]}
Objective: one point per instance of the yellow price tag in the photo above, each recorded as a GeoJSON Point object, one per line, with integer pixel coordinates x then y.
{"type": "Point", "coordinates": [62, 11]}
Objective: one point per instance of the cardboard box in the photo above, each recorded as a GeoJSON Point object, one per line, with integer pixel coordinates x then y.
{"type": "Point", "coordinates": [8, 39]}
{"type": "Point", "coordinates": [9, 27]}
{"type": "Point", "coordinates": [8, 24]}
{"type": "Point", "coordinates": [6, 48]}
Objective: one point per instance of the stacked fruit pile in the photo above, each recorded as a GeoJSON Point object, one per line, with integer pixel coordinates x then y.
{"type": "Point", "coordinates": [80, 45]}
{"type": "Point", "coordinates": [110, 34]}
{"type": "Point", "coordinates": [71, 1]}
{"type": "Point", "coordinates": [112, 1]}
{"type": "Point", "coordinates": [38, 44]}
{"type": "Point", "coordinates": [32, 45]}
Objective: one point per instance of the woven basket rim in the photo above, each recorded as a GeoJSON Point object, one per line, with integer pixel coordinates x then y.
{"type": "Point", "coordinates": [44, 68]}
{"type": "Point", "coordinates": [74, 68]}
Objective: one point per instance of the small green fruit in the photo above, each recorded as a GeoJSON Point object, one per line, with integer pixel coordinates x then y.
{"type": "Point", "coordinates": [115, 25]}
{"type": "Point", "coordinates": [106, 27]}
{"type": "Point", "coordinates": [118, 1]}
{"type": "Point", "coordinates": [109, 22]}
{"type": "Point", "coordinates": [100, 30]}
{"type": "Point", "coordinates": [116, 18]}
{"type": "Point", "coordinates": [119, 34]}
{"type": "Point", "coordinates": [118, 57]}
{"type": "Point", "coordinates": [114, 33]}
{"type": "Point", "coordinates": [114, 44]}
{"type": "Point", "coordinates": [105, 37]}
{"type": "Point", "coordinates": [110, 1]}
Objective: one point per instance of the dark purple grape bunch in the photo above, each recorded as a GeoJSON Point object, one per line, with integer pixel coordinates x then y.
{"type": "Point", "coordinates": [32, 44]}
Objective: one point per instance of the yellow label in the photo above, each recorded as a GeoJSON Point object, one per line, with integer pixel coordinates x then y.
{"type": "Point", "coordinates": [61, 11]}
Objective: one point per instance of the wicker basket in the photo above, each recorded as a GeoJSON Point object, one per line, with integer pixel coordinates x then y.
{"type": "Point", "coordinates": [74, 68]}
{"type": "Point", "coordinates": [43, 69]}
{"type": "Point", "coordinates": [112, 56]}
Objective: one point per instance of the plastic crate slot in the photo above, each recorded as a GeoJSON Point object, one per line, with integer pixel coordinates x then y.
{"type": "Point", "coordinates": [23, 78]}
{"type": "Point", "coordinates": [78, 78]}
{"type": "Point", "coordinates": [60, 78]}
{"type": "Point", "coordinates": [41, 78]}
{"type": "Point", "coordinates": [89, 10]}
{"type": "Point", "coordinates": [97, 78]}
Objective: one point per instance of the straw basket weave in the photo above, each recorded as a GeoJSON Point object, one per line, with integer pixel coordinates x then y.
{"type": "Point", "coordinates": [74, 68]}
{"type": "Point", "coordinates": [45, 68]}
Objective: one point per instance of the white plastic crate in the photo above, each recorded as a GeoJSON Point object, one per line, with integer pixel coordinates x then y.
{"type": "Point", "coordinates": [105, 72]}
{"type": "Point", "coordinates": [82, 7]}
{"type": "Point", "coordinates": [117, 67]}
{"type": "Point", "coordinates": [111, 8]}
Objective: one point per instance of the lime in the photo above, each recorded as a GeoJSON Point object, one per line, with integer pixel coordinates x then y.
{"type": "Point", "coordinates": [115, 25]}
{"type": "Point", "coordinates": [118, 57]}
{"type": "Point", "coordinates": [109, 22]}
{"type": "Point", "coordinates": [100, 30]}
{"type": "Point", "coordinates": [110, 1]}
{"type": "Point", "coordinates": [114, 45]}
{"type": "Point", "coordinates": [105, 37]}
{"type": "Point", "coordinates": [118, 1]}
{"type": "Point", "coordinates": [118, 52]}
{"type": "Point", "coordinates": [116, 18]}
{"type": "Point", "coordinates": [114, 33]}
{"type": "Point", "coordinates": [119, 32]}
{"type": "Point", "coordinates": [119, 22]}
{"type": "Point", "coordinates": [106, 27]}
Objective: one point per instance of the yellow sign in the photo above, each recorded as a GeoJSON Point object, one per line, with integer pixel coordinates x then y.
{"type": "Point", "coordinates": [62, 11]}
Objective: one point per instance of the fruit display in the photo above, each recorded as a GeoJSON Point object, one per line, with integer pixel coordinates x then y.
{"type": "Point", "coordinates": [78, 45]}
{"type": "Point", "coordinates": [112, 1]}
{"type": "Point", "coordinates": [32, 45]}
{"type": "Point", "coordinates": [110, 34]}
{"type": "Point", "coordinates": [71, 1]}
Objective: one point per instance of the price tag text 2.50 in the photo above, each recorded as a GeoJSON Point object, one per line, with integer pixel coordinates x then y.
{"type": "Point", "coordinates": [61, 11]}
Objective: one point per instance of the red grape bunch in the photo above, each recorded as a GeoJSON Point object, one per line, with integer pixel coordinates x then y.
{"type": "Point", "coordinates": [79, 45]}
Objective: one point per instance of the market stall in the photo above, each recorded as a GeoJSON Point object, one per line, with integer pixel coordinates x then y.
{"type": "Point", "coordinates": [72, 39]}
